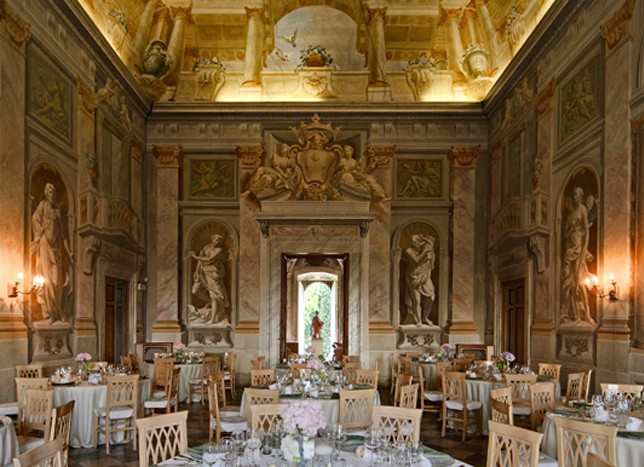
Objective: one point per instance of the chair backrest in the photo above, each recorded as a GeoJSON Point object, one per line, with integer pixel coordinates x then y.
{"type": "Point", "coordinates": [263, 377]}
{"type": "Point", "coordinates": [260, 396]}
{"type": "Point", "coordinates": [408, 396]}
{"type": "Point", "coordinates": [49, 454]}
{"type": "Point", "coordinates": [230, 361]}
{"type": "Point", "coordinates": [462, 364]}
{"type": "Point", "coordinates": [210, 364]}
{"type": "Point", "coordinates": [404, 364]}
{"type": "Point", "coordinates": [33, 370]}
{"type": "Point", "coordinates": [213, 408]}
{"type": "Point", "coordinates": [542, 400]}
{"type": "Point", "coordinates": [399, 425]}
{"type": "Point", "coordinates": [349, 371]}
{"type": "Point", "coordinates": [454, 386]}
{"type": "Point", "coordinates": [162, 373]}
{"type": "Point", "coordinates": [257, 364]}
{"type": "Point", "coordinates": [442, 367]}
{"type": "Point", "coordinates": [22, 384]}
{"type": "Point", "coordinates": [593, 460]}
{"type": "Point", "coordinates": [510, 446]}
{"type": "Point", "coordinates": [174, 388]}
{"type": "Point", "coordinates": [501, 412]}
{"type": "Point", "coordinates": [503, 394]}
{"type": "Point", "coordinates": [402, 379]}
{"type": "Point", "coordinates": [122, 391]}
{"type": "Point", "coordinates": [38, 412]}
{"type": "Point", "coordinates": [574, 388]}
{"type": "Point", "coordinates": [162, 437]}
{"type": "Point", "coordinates": [576, 438]}
{"type": "Point", "coordinates": [219, 380]}
{"type": "Point", "coordinates": [351, 359]}
{"type": "Point", "coordinates": [127, 362]}
{"type": "Point", "coordinates": [552, 370]}
{"type": "Point", "coordinates": [61, 424]}
{"type": "Point", "coordinates": [296, 368]}
{"type": "Point", "coordinates": [355, 408]}
{"type": "Point", "coordinates": [520, 385]}
{"type": "Point", "coordinates": [367, 377]}
{"type": "Point", "coordinates": [265, 416]}
{"type": "Point", "coordinates": [629, 391]}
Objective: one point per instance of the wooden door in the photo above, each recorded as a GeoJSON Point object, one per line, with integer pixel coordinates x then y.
{"type": "Point", "coordinates": [115, 325]}
{"type": "Point", "coordinates": [514, 319]}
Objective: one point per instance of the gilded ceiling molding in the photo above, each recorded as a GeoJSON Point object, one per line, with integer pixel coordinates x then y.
{"type": "Point", "coordinates": [15, 28]}
{"type": "Point", "coordinates": [544, 98]}
{"type": "Point", "coordinates": [618, 27]}
{"type": "Point", "coordinates": [464, 156]}
{"type": "Point", "coordinates": [250, 156]}
{"type": "Point", "coordinates": [380, 156]}
{"type": "Point", "coordinates": [637, 124]}
{"type": "Point", "coordinates": [168, 156]}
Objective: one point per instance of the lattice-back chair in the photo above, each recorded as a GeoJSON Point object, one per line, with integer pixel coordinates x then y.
{"type": "Point", "coordinates": [22, 384]}
{"type": "Point", "coordinates": [120, 411]}
{"type": "Point", "coordinates": [162, 437]}
{"type": "Point", "coordinates": [628, 391]}
{"type": "Point", "coordinates": [593, 460]}
{"type": "Point", "coordinates": [260, 396]}
{"type": "Point", "coordinates": [501, 412]}
{"type": "Point", "coordinates": [457, 408]}
{"type": "Point", "coordinates": [542, 400]}
{"type": "Point", "coordinates": [230, 374]}
{"type": "Point", "coordinates": [576, 438]}
{"type": "Point", "coordinates": [210, 364]}
{"type": "Point", "coordinates": [33, 370]}
{"type": "Point", "coordinates": [510, 446]}
{"type": "Point", "coordinates": [128, 363]}
{"type": "Point", "coordinates": [354, 412]}
{"type": "Point", "coordinates": [551, 370]}
{"type": "Point", "coordinates": [265, 416]}
{"type": "Point", "coordinates": [61, 425]}
{"type": "Point", "coordinates": [409, 396]}
{"type": "Point", "coordinates": [369, 377]}
{"type": "Point", "coordinates": [168, 398]}
{"type": "Point", "coordinates": [462, 364]}
{"type": "Point", "coordinates": [161, 375]}
{"type": "Point", "coordinates": [220, 383]}
{"type": "Point", "coordinates": [262, 378]}
{"type": "Point", "coordinates": [49, 454]}
{"type": "Point", "coordinates": [402, 379]}
{"type": "Point", "coordinates": [399, 425]}
{"type": "Point", "coordinates": [520, 385]}
{"type": "Point", "coordinates": [228, 422]}
{"type": "Point", "coordinates": [258, 364]}
{"type": "Point", "coordinates": [36, 425]}
{"type": "Point", "coordinates": [349, 371]}
{"type": "Point", "coordinates": [574, 388]}
{"type": "Point", "coordinates": [351, 359]}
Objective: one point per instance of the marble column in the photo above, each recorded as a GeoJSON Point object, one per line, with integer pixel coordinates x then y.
{"type": "Point", "coordinates": [254, 41]}
{"type": "Point", "coordinates": [485, 20]}
{"type": "Point", "coordinates": [180, 16]}
{"type": "Point", "coordinates": [142, 32]}
{"type": "Point", "coordinates": [377, 59]}
{"type": "Point", "coordinates": [461, 326]}
{"type": "Point", "coordinates": [469, 24]}
{"type": "Point", "coordinates": [449, 18]}
{"type": "Point", "coordinates": [166, 326]}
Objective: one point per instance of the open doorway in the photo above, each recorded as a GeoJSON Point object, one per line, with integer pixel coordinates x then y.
{"type": "Point", "coordinates": [116, 319]}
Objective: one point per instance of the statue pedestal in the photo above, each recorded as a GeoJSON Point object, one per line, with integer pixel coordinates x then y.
{"type": "Point", "coordinates": [576, 343]}
{"type": "Point", "coordinates": [412, 337]}
{"type": "Point", "coordinates": [316, 343]}
{"type": "Point", "coordinates": [50, 341]}
{"type": "Point", "coordinates": [204, 338]}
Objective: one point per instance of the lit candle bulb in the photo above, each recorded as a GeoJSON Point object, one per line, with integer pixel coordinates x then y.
{"type": "Point", "coordinates": [611, 277]}
{"type": "Point", "coordinates": [20, 276]}
{"type": "Point", "coordinates": [595, 280]}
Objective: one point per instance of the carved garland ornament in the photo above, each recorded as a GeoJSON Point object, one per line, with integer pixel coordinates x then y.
{"type": "Point", "coordinates": [420, 340]}
{"type": "Point", "coordinates": [576, 346]}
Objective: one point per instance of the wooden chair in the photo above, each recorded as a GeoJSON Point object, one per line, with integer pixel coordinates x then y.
{"type": "Point", "coordinates": [574, 388]}
{"type": "Point", "coordinates": [36, 425]}
{"type": "Point", "coordinates": [432, 400]}
{"type": "Point", "coordinates": [355, 408]}
{"type": "Point", "coordinates": [48, 454]}
{"type": "Point", "coordinates": [409, 396]}
{"type": "Point", "coordinates": [520, 385]}
{"type": "Point", "coordinates": [262, 377]}
{"type": "Point", "coordinates": [350, 359]}
{"type": "Point", "coordinates": [510, 446]}
{"type": "Point", "coordinates": [349, 371]}
{"type": "Point", "coordinates": [209, 365]}
{"type": "Point", "coordinates": [162, 437]}
{"type": "Point", "coordinates": [367, 377]}
{"type": "Point", "coordinates": [33, 370]}
{"type": "Point", "coordinates": [501, 405]}
{"type": "Point", "coordinates": [161, 376]}
{"type": "Point", "coordinates": [22, 384]}
{"type": "Point", "coordinates": [265, 416]}
{"type": "Point", "coordinates": [551, 370]}
{"type": "Point", "coordinates": [230, 377]}
{"type": "Point", "coordinates": [462, 364]}
{"type": "Point", "coordinates": [402, 379]}
{"type": "Point", "coordinates": [399, 425]}
{"type": "Point", "coordinates": [456, 406]}
{"type": "Point", "coordinates": [228, 422]}
{"type": "Point", "coordinates": [628, 391]}
{"type": "Point", "coordinates": [257, 364]}
{"type": "Point", "coordinates": [575, 438]}
{"type": "Point", "coordinates": [260, 396]}
{"type": "Point", "coordinates": [593, 460]}
{"type": "Point", "coordinates": [120, 411]}
{"type": "Point", "coordinates": [392, 372]}
{"type": "Point", "coordinates": [165, 397]}
{"type": "Point", "coordinates": [220, 382]}
{"type": "Point", "coordinates": [542, 400]}
{"type": "Point", "coordinates": [61, 425]}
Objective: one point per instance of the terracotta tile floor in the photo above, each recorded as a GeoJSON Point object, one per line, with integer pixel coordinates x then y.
{"type": "Point", "coordinates": [473, 451]}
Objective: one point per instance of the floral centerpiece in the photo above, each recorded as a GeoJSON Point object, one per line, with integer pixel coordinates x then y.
{"type": "Point", "coordinates": [314, 56]}
{"type": "Point", "coordinates": [505, 359]}
{"type": "Point", "coordinates": [302, 421]}
{"type": "Point", "coordinates": [445, 352]}
{"type": "Point", "coordinates": [82, 363]}
{"type": "Point", "coordinates": [178, 350]}
{"type": "Point", "coordinates": [316, 365]}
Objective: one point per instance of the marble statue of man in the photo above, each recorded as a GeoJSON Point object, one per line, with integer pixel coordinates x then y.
{"type": "Point", "coordinates": [209, 276]}
{"type": "Point", "coordinates": [419, 290]}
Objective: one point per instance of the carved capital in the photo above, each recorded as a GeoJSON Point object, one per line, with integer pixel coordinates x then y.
{"type": "Point", "coordinates": [12, 25]}
{"type": "Point", "coordinates": [177, 13]}
{"type": "Point", "coordinates": [637, 124]}
{"type": "Point", "coordinates": [544, 98]}
{"type": "Point", "coordinates": [618, 26]}
{"type": "Point", "coordinates": [168, 156]}
{"type": "Point", "coordinates": [377, 13]}
{"type": "Point", "coordinates": [254, 13]}
{"type": "Point", "coordinates": [380, 156]}
{"type": "Point", "coordinates": [464, 155]}
{"type": "Point", "coordinates": [448, 15]}
{"type": "Point", "coordinates": [250, 156]}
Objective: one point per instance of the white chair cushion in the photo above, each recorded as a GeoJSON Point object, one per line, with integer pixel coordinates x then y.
{"type": "Point", "coordinates": [231, 424]}
{"type": "Point", "coordinates": [521, 410]}
{"type": "Point", "coordinates": [458, 405]}
{"type": "Point", "coordinates": [120, 413]}
{"type": "Point", "coordinates": [27, 443]}
{"type": "Point", "coordinates": [434, 396]}
{"type": "Point", "coordinates": [9, 408]}
{"type": "Point", "coordinates": [196, 381]}
{"type": "Point", "coordinates": [158, 395]}
{"type": "Point", "coordinates": [155, 403]}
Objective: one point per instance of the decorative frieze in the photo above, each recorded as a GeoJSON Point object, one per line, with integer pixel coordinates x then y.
{"type": "Point", "coordinates": [250, 156]}
{"type": "Point", "coordinates": [618, 27]}
{"type": "Point", "coordinates": [12, 25]}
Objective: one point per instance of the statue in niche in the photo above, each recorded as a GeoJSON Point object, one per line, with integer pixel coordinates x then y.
{"type": "Point", "coordinates": [209, 278]}
{"type": "Point", "coordinates": [419, 288]}
{"type": "Point", "coordinates": [316, 325]}
{"type": "Point", "coordinates": [53, 257]}
{"type": "Point", "coordinates": [576, 256]}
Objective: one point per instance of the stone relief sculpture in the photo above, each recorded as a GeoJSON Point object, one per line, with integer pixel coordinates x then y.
{"type": "Point", "coordinates": [53, 257]}
{"type": "Point", "coordinates": [575, 258]}
{"type": "Point", "coordinates": [208, 280]}
{"type": "Point", "coordinates": [419, 288]}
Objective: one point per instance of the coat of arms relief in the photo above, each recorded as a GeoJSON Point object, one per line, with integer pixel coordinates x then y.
{"type": "Point", "coordinates": [317, 168]}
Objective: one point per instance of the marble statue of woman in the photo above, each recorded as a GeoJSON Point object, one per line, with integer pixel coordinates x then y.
{"type": "Point", "coordinates": [419, 290]}
{"type": "Point", "coordinates": [209, 276]}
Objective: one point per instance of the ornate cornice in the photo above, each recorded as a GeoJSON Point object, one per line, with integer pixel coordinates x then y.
{"type": "Point", "coordinates": [168, 156]}
{"type": "Point", "coordinates": [250, 156]}
{"type": "Point", "coordinates": [544, 98]}
{"type": "Point", "coordinates": [464, 155]}
{"type": "Point", "coordinates": [618, 26]}
{"type": "Point", "coordinates": [15, 28]}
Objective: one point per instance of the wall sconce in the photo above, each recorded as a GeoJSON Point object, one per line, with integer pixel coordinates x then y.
{"type": "Point", "coordinates": [12, 288]}
{"type": "Point", "coordinates": [610, 294]}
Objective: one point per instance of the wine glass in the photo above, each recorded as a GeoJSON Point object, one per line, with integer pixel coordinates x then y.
{"type": "Point", "coordinates": [372, 442]}
{"type": "Point", "coordinates": [339, 437]}
{"type": "Point", "coordinates": [253, 443]}
{"type": "Point", "coordinates": [210, 454]}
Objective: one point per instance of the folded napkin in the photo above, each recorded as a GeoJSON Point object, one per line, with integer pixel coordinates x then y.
{"type": "Point", "coordinates": [295, 395]}
{"type": "Point", "coordinates": [352, 442]}
{"type": "Point", "coordinates": [565, 412]}
{"type": "Point", "coordinates": [362, 386]}
{"type": "Point", "coordinates": [543, 378]}
{"type": "Point", "coordinates": [437, 458]}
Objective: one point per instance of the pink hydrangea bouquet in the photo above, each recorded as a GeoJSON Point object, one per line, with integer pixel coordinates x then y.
{"type": "Point", "coordinates": [315, 364]}
{"type": "Point", "coordinates": [444, 352]}
{"type": "Point", "coordinates": [305, 417]}
{"type": "Point", "coordinates": [83, 357]}
{"type": "Point", "coordinates": [507, 357]}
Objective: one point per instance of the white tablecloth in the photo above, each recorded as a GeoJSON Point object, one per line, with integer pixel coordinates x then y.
{"type": "Point", "coordinates": [88, 397]}
{"type": "Point", "coordinates": [430, 374]}
{"type": "Point", "coordinates": [8, 444]}
{"type": "Point", "coordinates": [630, 452]}
{"type": "Point", "coordinates": [188, 371]}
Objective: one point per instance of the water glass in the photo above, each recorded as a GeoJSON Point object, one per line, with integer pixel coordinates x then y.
{"type": "Point", "coordinates": [210, 454]}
